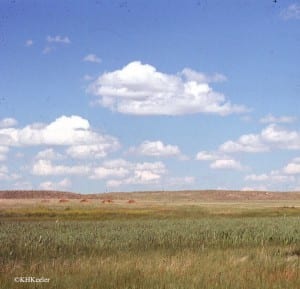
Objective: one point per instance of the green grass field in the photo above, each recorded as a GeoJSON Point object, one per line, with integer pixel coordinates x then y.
{"type": "Point", "coordinates": [150, 244]}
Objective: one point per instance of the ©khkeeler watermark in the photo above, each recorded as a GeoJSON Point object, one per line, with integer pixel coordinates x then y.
{"type": "Point", "coordinates": [30, 279]}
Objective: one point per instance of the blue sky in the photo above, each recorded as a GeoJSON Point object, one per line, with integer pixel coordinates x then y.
{"type": "Point", "coordinates": [147, 95]}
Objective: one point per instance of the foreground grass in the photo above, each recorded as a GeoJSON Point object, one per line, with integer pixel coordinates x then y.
{"type": "Point", "coordinates": [193, 251]}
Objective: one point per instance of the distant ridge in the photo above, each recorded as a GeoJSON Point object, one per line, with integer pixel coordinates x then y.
{"type": "Point", "coordinates": [207, 195]}
{"type": "Point", "coordinates": [188, 195]}
{"type": "Point", "coordinates": [24, 194]}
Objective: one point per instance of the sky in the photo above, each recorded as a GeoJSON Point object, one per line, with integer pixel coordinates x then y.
{"type": "Point", "coordinates": [112, 95]}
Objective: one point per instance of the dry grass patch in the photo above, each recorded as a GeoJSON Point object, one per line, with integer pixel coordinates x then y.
{"type": "Point", "coordinates": [107, 201]}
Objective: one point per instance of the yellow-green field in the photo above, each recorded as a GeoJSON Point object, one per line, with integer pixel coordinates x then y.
{"type": "Point", "coordinates": [152, 242]}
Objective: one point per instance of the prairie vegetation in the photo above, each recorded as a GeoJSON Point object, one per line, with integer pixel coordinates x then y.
{"type": "Point", "coordinates": [150, 244]}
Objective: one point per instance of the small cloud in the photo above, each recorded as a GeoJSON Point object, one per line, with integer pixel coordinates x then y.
{"type": "Point", "coordinates": [280, 137]}
{"type": "Point", "coordinates": [246, 118]}
{"type": "Point", "coordinates": [58, 39]}
{"type": "Point", "coordinates": [226, 164]}
{"type": "Point", "coordinates": [52, 40]}
{"type": "Point", "coordinates": [8, 122]}
{"type": "Point", "coordinates": [156, 149]}
{"type": "Point", "coordinates": [207, 156]}
{"type": "Point", "coordinates": [3, 152]}
{"type": "Point", "coordinates": [192, 75]}
{"type": "Point", "coordinates": [29, 43]}
{"type": "Point", "coordinates": [256, 188]}
{"type": "Point", "coordinates": [121, 172]}
{"type": "Point", "coordinates": [291, 12]}
{"type": "Point", "coordinates": [282, 119]}
{"type": "Point", "coordinates": [87, 77]}
{"type": "Point", "coordinates": [19, 155]}
{"type": "Point", "coordinates": [48, 154]}
{"type": "Point", "coordinates": [5, 175]}
{"type": "Point", "coordinates": [273, 177]}
{"type": "Point", "coordinates": [183, 157]}
{"type": "Point", "coordinates": [2, 157]}
{"type": "Point", "coordinates": [246, 143]}
{"type": "Point", "coordinates": [292, 168]}
{"type": "Point", "coordinates": [22, 185]}
{"type": "Point", "coordinates": [257, 178]}
{"type": "Point", "coordinates": [180, 181]}
{"type": "Point", "coordinates": [92, 58]}
{"type": "Point", "coordinates": [48, 49]}
{"type": "Point", "coordinates": [3, 172]}
{"type": "Point", "coordinates": [46, 168]}
{"type": "Point", "coordinates": [63, 184]}
{"type": "Point", "coordinates": [100, 150]}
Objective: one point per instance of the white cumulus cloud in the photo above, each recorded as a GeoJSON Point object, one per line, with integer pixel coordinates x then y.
{"type": "Point", "coordinates": [121, 172]}
{"type": "Point", "coordinates": [73, 131]}
{"type": "Point", "coordinates": [246, 143]}
{"type": "Point", "coordinates": [293, 168]}
{"type": "Point", "coordinates": [156, 149]}
{"type": "Point", "coordinates": [219, 160]}
{"type": "Point", "coordinates": [229, 164]}
{"type": "Point", "coordinates": [47, 168]}
{"type": "Point", "coordinates": [207, 156]}
{"type": "Point", "coordinates": [100, 150]}
{"type": "Point", "coordinates": [271, 137]}
{"type": "Point", "coordinates": [281, 138]}
{"type": "Point", "coordinates": [104, 173]}
{"type": "Point", "coordinates": [140, 89]}
{"type": "Point", "coordinates": [288, 174]}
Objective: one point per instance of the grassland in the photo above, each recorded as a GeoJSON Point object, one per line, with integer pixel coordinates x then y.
{"type": "Point", "coordinates": [150, 244]}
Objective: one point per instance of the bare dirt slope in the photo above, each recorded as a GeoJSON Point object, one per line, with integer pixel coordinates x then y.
{"type": "Point", "coordinates": [199, 195]}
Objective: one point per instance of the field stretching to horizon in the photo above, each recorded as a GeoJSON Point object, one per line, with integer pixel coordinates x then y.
{"type": "Point", "coordinates": [184, 239]}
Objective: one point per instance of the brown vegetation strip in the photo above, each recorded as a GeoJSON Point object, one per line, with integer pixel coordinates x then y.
{"type": "Point", "coordinates": [196, 195]}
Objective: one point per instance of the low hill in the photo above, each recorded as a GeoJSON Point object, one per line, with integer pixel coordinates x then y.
{"type": "Point", "coordinates": [195, 195]}
{"type": "Point", "coordinates": [206, 195]}
{"type": "Point", "coordinates": [20, 194]}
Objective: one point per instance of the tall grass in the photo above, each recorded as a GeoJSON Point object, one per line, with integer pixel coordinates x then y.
{"type": "Point", "coordinates": [139, 253]}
